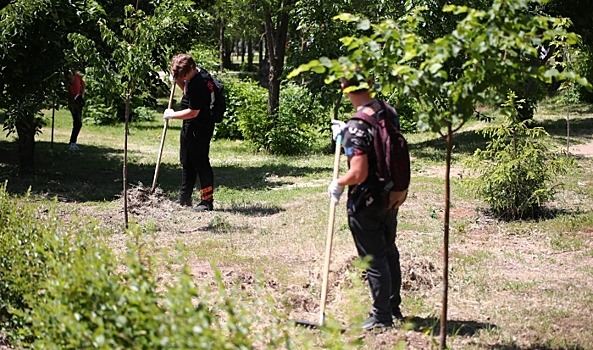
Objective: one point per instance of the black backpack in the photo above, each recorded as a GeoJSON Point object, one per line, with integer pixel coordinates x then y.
{"type": "Point", "coordinates": [217, 100]}
{"type": "Point", "coordinates": [391, 153]}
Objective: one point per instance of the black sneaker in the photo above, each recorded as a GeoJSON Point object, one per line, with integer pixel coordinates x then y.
{"type": "Point", "coordinates": [204, 206]}
{"type": "Point", "coordinates": [372, 323]}
{"type": "Point", "coordinates": [184, 202]}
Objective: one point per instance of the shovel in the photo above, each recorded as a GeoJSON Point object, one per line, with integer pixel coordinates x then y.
{"type": "Point", "coordinates": [158, 160]}
{"type": "Point", "coordinates": [328, 247]}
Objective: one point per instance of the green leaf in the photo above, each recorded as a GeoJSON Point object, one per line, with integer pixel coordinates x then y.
{"type": "Point", "coordinates": [551, 73]}
{"type": "Point", "coordinates": [364, 24]}
{"type": "Point", "coordinates": [435, 67]}
{"type": "Point", "coordinates": [346, 17]}
{"type": "Point", "coordinates": [326, 62]}
{"type": "Point", "coordinates": [318, 69]}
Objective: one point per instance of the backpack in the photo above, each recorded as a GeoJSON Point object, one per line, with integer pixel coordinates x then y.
{"type": "Point", "coordinates": [391, 153]}
{"type": "Point", "coordinates": [217, 100]}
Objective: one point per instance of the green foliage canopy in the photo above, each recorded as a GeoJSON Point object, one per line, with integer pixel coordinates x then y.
{"type": "Point", "coordinates": [487, 54]}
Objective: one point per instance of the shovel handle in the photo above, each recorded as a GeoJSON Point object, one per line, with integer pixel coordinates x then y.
{"type": "Point", "coordinates": [158, 160]}
{"type": "Point", "coordinates": [330, 235]}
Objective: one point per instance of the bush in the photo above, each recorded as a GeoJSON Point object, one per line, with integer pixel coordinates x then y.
{"type": "Point", "coordinates": [90, 307]}
{"type": "Point", "coordinates": [62, 288]}
{"type": "Point", "coordinates": [296, 127]}
{"type": "Point", "coordinates": [300, 121]}
{"type": "Point", "coordinates": [581, 61]}
{"type": "Point", "coordinates": [242, 98]}
{"type": "Point", "coordinates": [516, 170]}
{"type": "Point", "coordinates": [247, 108]}
{"type": "Point", "coordinates": [29, 247]}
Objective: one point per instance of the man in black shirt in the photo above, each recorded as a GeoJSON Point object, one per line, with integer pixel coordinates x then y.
{"type": "Point", "coordinates": [196, 131]}
{"type": "Point", "coordinates": [373, 226]}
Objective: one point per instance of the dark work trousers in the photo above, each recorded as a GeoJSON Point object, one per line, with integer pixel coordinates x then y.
{"type": "Point", "coordinates": [374, 232]}
{"type": "Point", "coordinates": [76, 111]}
{"type": "Point", "coordinates": [195, 149]}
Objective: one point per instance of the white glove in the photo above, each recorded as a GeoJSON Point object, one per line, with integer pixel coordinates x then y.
{"type": "Point", "coordinates": [171, 79]}
{"type": "Point", "coordinates": [168, 114]}
{"type": "Point", "coordinates": [338, 128]}
{"type": "Point", "coordinates": [335, 191]}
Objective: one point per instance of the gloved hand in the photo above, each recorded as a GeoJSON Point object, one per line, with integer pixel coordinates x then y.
{"type": "Point", "coordinates": [171, 78]}
{"type": "Point", "coordinates": [335, 191]}
{"type": "Point", "coordinates": [338, 128]}
{"type": "Point", "coordinates": [168, 114]}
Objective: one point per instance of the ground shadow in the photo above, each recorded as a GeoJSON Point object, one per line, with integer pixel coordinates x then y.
{"type": "Point", "coordinates": [536, 215]}
{"type": "Point", "coordinates": [578, 127]}
{"type": "Point", "coordinates": [532, 347]}
{"type": "Point", "coordinates": [464, 142]}
{"type": "Point", "coordinates": [95, 174]}
{"type": "Point", "coordinates": [253, 209]}
{"type": "Point", "coordinates": [431, 325]}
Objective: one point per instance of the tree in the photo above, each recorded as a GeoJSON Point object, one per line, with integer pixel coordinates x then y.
{"type": "Point", "coordinates": [33, 63]}
{"type": "Point", "coordinates": [481, 60]}
{"type": "Point", "coordinates": [277, 16]}
{"type": "Point", "coordinates": [138, 50]}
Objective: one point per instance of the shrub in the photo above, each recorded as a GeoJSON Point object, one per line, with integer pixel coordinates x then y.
{"type": "Point", "coordinates": [100, 113]}
{"type": "Point", "coordinates": [516, 170]}
{"type": "Point", "coordinates": [242, 98]}
{"type": "Point", "coordinates": [299, 117]}
{"type": "Point", "coordinates": [91, 307]}
{"type": "Point", "coordinates": [298, 124]}
{"type": "Point", "coordinates": [248, 103]}
{"type": "Point", "coordinates": [28, 248]}
{"type": "Point", "coordinates": [63, 288]}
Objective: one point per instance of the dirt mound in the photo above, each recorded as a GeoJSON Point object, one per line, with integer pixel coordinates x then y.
{"type": "Point", "coordinates": [419, 274]}
{"type": "Point", "coordinates": [140, 197]}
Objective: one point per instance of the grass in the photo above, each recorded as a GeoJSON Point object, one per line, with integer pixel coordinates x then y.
{"type": "Point", "coordinates": [513, 285]}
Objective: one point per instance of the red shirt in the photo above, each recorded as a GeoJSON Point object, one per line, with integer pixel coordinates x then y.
{"type": "Point", "coordinates": [77, 85]}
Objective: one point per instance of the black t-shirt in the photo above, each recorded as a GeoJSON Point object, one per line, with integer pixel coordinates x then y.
{"type": "Point", "coordinates": [358, 140]}
{"type": "Point", "coordinates": [197, 95]}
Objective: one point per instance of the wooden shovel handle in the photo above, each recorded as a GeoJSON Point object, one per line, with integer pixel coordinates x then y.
{"type": "Point", "coordinates": [158, 160]}
{"type": "Point", "coordinates": [330, 235]}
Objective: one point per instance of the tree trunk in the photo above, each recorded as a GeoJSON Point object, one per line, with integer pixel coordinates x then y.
{"type": "Point", "coordinates": [242, 43]}
{"type": "Point", "coordinates": [250, 55]}
{"type": "Point", "coordinates": [228, 50]}
{"type": "Point", "coordinates": [221, 47]}
{"type": "Point", "coordinates": [263, 65]}
{"type": "Point", "coordinates": [25, 128]}
{"type": "Point", "coordinates": [445, 299]}
{"type": "Point", "coordinates": [125, 166]}
{"type": "Point", "coordinates": [276, 38]}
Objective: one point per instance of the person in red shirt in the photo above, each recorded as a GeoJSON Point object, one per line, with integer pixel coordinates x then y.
{"type": "Point", "coordinates": [75, 104]}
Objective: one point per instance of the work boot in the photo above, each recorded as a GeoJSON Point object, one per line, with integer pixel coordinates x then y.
{"type": "Point", "coordinates": [204, 206]}
{"type": "Point", "coordinates": [184, 202]}
{"type": "Point", "coordinates": [372, 323]}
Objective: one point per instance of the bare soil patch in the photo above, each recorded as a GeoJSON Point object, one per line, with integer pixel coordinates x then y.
{"type": "Point", "coordinates": [499, 280]}
{"type": "Point", "coordinates": [585, 150]}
